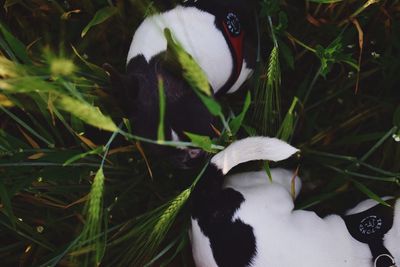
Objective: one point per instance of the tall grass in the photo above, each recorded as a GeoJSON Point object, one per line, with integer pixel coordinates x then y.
{"type": "Point", "coordinates": [75, 190]}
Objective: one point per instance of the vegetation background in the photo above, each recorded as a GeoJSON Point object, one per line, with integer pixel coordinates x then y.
{"type": "Point", "coordinates": [77, 190]}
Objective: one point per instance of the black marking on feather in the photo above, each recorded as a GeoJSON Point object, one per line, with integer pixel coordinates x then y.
{"type": "Point", "coordinates": [232, 242]}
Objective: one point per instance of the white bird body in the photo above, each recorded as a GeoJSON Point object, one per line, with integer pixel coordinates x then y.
{"type": "Point", "coordinates": [288, 237]}
{"type": "Point", "coordinates": [195, 30]}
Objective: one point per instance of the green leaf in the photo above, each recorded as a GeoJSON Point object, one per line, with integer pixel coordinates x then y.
{"type": "Point", "coordinates": [237, 122]}
{"type": "Point", "coordinates": [268, 171]}
{"type": "Point", "coordinates": [5, 48]}
{"type": "Point", "coordinates": [192, 72]}
{"type": "Point", "coordinates": [287, 128]}
{"type": "Point", "coordinates": [330, 54]}
{"type": "Point", "coordinates": [127, 125]}
{"type": "Point", "coordinates": [89, 114]}
{"type": "Point", "coordinates": [333, 54]}
{"type": "Point", "coordinates": [194, 75]}
{"type": "Point", "coordinates": [211, 104]}
{"type": "Point", "coordinates": [249, 130]}
{"type": "Point", "coordinates": [369, 193]}
{"type": "Point", "coordinates": [325, 66]}
{"type": "Point", "coordinates": [16, 46]}
{"type": "Point", "coordinates": [202, 141]}
{"type": "Point", "coordinates": [100, 16]}
{"type": "Point", "coordinates": [161, 98]}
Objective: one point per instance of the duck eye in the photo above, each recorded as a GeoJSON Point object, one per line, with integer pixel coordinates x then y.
{"type": "Point", "coordinates": [233, 23]}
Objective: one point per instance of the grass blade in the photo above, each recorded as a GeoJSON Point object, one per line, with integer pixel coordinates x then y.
{"type": "Point", "coordinates": [100, 16]}
{"type": "Point", "coordinates": [267, 96]}
{"type": "Point", "coordinates": [93, 225]}
{"type": "Point", "coordinates": [192, 72]}
{"type": "Point", "coordinates": [162, 106]}
{"type": "Point", "coordinates": [287, 127]}
{"type": "Point", "coordinates": [83, 155]}
{"type": "Point", "coordinates": [369, 193]}
{"type": "Point", "coordinates": [15, 45]}
{"type": "Point", "coordinates": [26, 126]}
{"type": "Point", "coordinates": [204, 142]}
{"type": "Point", "coordinates": [237, 122]}
{"type": "Point", "coordinates": [211, 104]}
{"type": "Point", "coordinates": [89, 114]}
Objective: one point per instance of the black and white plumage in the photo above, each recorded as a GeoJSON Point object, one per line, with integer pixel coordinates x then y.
{"type": "Point", "coordinates": [208, 31]}
{"type": "Point", "coordinates": [218, 35]}
{"type": "Point", "coordinates": [246, 220]}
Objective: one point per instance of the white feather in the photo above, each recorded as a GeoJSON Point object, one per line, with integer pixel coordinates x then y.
{"type": "Point", "coordinates": [364, 205]}
{"type": "Point", "coordinates": [244, 75]}
{"type": "Point", "coordinates": [202, 255]}
{"type": "Point", "coordinates": [252, 148]}
{"type": "Point", "coordinates": [193, 29]}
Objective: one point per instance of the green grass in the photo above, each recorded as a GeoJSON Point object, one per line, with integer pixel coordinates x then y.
{"type": "Point", "coordinates": [75, 189]}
